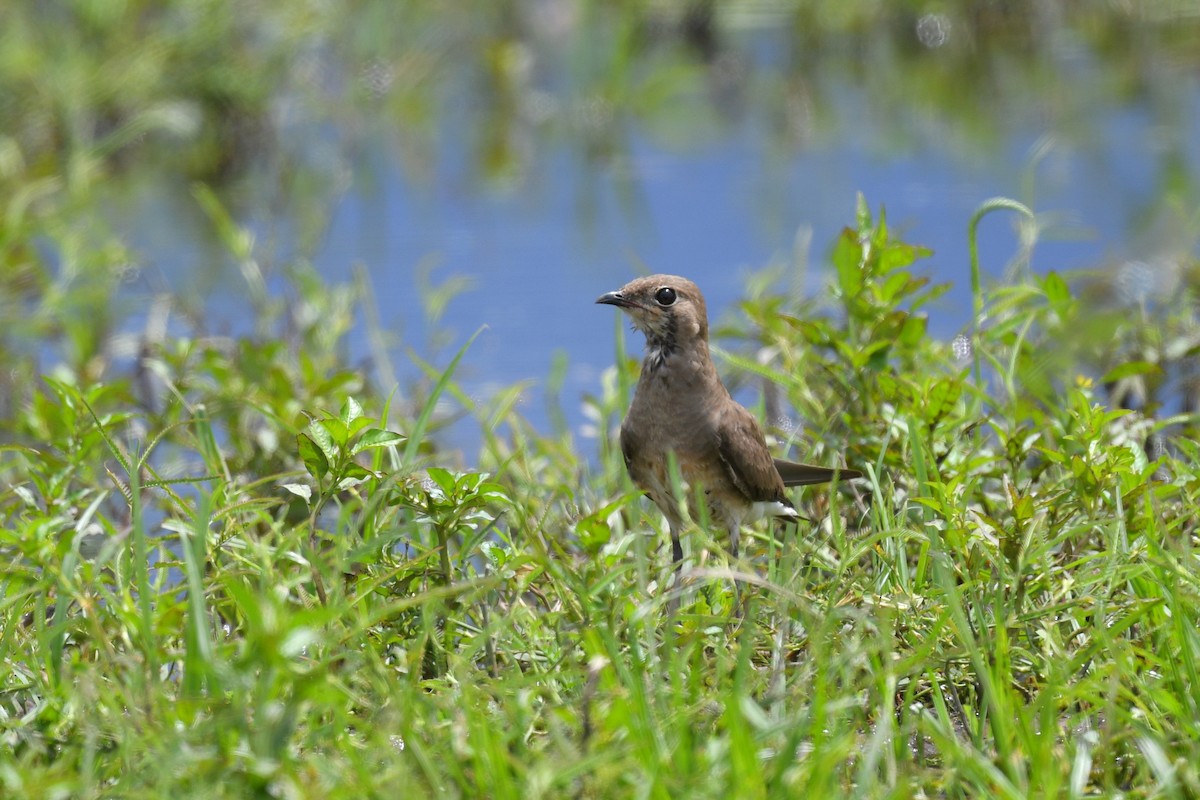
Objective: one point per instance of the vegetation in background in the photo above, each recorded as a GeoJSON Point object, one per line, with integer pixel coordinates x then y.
{"type": "Point", "coordinates": [241, 566]}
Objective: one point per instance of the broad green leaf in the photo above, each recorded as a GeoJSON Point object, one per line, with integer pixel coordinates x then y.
{"type": "Point", "coordinates": [319, 435]}
{"type": "Point", "coordinates": [443, 478]}
{"type": "Point", "coordinates": [339, 433]}
{"type": "Point", "coordinates": [895, 256]}
{"type": "Point", "coordinates": [494, 492]}
{"type": "Point", "coordinates": [593, 532]}
{"type": "Point", "coordinates": [358, 425]}
{"type": "Point", "coordinates": [351, 411]}
{"type": "Point", "coordinates": [313, 457]}
{"type": "Point", "coordinates": [1056, 289]}
{"type": "Point", "coordinates": [468, 481]}
{"type": "Point", "coordinates": [941, 398]}
{"type": "Point", "coordinates": [376, 437]}
{"type": "Point", "coordinates": [356, 471]}
{"type": "Point", "coordinates": [495, 554]}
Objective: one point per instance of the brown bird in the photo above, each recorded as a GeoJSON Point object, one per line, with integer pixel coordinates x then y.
{"type": "Point", "coordinates": [681, 407]}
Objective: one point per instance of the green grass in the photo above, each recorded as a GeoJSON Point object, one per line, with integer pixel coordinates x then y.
{"type": "Point", "coordinates": [241, 569]}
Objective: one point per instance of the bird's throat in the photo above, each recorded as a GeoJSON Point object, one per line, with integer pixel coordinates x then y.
{"type": "Point", "coordinates": [657, 356]}
{"type": "Point", "coordinates": [661, 344]}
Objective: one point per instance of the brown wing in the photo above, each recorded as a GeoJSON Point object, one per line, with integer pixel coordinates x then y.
{"type": "Point", "coordinates": [745, 457]}
{"type": "Point", "coordinates": [794, 474]}
{"type": "Point", "coordinates": [634, 454]}
{"type": "Point", "coordinates": [627, 446]}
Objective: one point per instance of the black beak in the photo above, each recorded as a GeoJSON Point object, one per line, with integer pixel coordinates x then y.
{"type": "Point", "coordinates": [615, 299]}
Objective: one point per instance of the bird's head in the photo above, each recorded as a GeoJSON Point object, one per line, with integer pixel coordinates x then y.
{"type": "Point", "coordinates": [667, 308]}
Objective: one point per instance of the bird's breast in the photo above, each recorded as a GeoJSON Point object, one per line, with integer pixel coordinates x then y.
{"type": "Point", "coordinates": [670, 414]}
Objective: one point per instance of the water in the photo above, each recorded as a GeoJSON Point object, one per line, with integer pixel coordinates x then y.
{"type": "Point", "coordinates": [719, 190]}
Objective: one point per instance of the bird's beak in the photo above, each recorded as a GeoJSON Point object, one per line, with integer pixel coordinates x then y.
{"type": "Point", "coordinates": [615, 299]}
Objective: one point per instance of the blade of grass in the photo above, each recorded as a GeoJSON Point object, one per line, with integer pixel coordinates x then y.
{"type": "Point", "coordinates": [417, 433]}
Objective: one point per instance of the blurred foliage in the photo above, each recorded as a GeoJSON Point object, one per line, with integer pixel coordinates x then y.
{"type": "Point", "coordinates": [214, 88]}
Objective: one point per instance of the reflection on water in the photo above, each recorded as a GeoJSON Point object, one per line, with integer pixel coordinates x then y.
{"type": "Point", "coordinates": [551, 149]}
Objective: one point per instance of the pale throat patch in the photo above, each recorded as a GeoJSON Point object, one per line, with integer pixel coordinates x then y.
{"type": "Point", "coordinates": [655, 357]}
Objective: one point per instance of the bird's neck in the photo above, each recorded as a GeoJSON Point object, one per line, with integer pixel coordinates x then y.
{"type": "Point", "coordinates": [663, 353]}
{"type": "Point", "coordinates": [659, 351]}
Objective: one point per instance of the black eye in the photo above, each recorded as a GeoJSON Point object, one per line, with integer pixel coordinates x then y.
{"type": "Point", "coordinates": [665, 296]}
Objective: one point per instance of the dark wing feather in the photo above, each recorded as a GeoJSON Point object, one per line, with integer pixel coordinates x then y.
{"type": "Point", "coordinates": [743, 451]}
{"type": "Point", "coordinates": [632, 451]}
{"type": "Point", "coordinates": [794, 474]}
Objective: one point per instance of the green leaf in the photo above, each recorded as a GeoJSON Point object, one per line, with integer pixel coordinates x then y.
{"type": "Point", "coordinates": [443, 478]}
{"type": "Point", "coordinates": [319, 435]}
{"type": "Point", "coordinates": [1131, 368]}
{"type": "Point", "coordinates": [895, 256]}
{"type": "Point", "coordinates": [913, 331]}
{"type": "Point", "coordinates": [818, 332]}
{"type": "Point", "coordinates": [593, 532]}
{"type": "Point", "coordinates": [1053, 456]}
{"type": "Point", "coordinates": [862, 212]}
{"type": "Point", "coordinates": [357, 426]}
{"type": "Point", "coordinates": [890, 326]}
{"type": "Point", "coordinates": [1022, 505]}
{"type": "Point", "coordinates": [879, 237]}
{"type": "Point", "coordinates": [468, 482]}
{"type": "Point", "coordinates": [891, 287]}
{"type": "Point", "coordinates": [339, 433]}
{"type": "Point", "coordinates": [376, 437]}
{"type": "Point", "coordinates": [941, 398]}
{"type": "Point", "coordinates": [879, 357]}
{"type": "Point", "coordinates": [1056, 289]}
{"type": "Point", "coordinates": [494, 492]}
{"type": "Point", "coordinates": [847, 258]}
{"type": "Point", "coordinates": [313, 457]}
{"type": "Point", "coordinates": [494, 553]}
{"type": "Point", "coordinates": [356, 471]}
{"type": "Point", "coordinates": [351, 411]}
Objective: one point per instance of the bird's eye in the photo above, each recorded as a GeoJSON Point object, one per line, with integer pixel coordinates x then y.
{"type": "Point", "coordinates": [665, 296]}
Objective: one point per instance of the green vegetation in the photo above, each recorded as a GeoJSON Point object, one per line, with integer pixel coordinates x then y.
{"type": "Point", "coordinates": [241, 566]}
{"type": "Point", "coordinates": [238, 569]}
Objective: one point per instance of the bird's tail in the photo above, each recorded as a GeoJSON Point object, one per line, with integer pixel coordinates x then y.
{"type": "Point", "coordinates": [794, 474]}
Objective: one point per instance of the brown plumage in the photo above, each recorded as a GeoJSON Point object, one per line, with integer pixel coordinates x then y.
{"type": "Point", "coordinates": [681, 407]}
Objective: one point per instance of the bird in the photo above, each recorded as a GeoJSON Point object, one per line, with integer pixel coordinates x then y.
{"type": "Point", "coordinates": [681, 407]}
